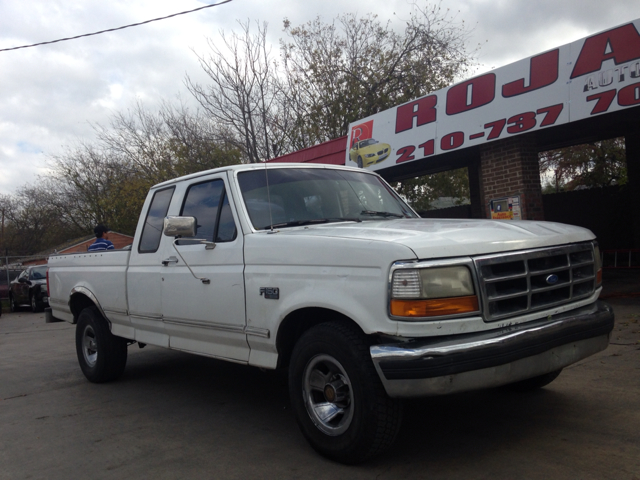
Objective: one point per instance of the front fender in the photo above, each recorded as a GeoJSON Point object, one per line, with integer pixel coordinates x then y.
{"type": "Point", "coordinates": [368, 313]}
{"type": "Point", "coordinates": [357, 293]}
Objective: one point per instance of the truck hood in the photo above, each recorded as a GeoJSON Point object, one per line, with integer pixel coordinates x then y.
{"type": "Point", "coordinates": [431, 238]}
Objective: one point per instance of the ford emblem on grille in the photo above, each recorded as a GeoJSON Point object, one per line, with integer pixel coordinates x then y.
{"type": "Point", "coordinates": [552, 279]}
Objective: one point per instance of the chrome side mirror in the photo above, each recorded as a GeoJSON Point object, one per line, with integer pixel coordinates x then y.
{"type": "Point", "coordinates": [185, 226]}
{"type": "Point", "coordinates": [179, 226]}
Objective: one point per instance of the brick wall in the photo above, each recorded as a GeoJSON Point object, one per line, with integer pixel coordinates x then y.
{"type": "Point", "coordinates": [510, 167]}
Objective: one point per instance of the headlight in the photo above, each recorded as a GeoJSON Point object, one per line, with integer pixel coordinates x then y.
{"type": "Point", "coordinates": [430, 292]}
{"type": "Point", "coordinates": [43, 288]}
{"type": "Point", "coordinates": [369, 155]}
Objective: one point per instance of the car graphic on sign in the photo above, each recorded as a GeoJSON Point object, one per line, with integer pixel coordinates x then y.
{"type": "Point", "coordinates": [369, 152]}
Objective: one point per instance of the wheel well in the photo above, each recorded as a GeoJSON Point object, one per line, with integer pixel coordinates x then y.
{"type": "Point", "coordinates": [78, 303]}
{"type": "Point", "coordinates": [297, 323]}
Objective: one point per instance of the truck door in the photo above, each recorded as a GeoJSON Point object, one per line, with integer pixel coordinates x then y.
{"type": "Point", "coordinates": [144, 275]}
{"type": "Point", "coordinates": [206, 317]}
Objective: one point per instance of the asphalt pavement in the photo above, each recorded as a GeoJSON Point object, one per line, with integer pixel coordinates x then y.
{"type": "Point", "coordinates": [179, 416]}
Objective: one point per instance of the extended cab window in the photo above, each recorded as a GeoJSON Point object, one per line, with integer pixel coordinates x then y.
{"type": "Point", "coordinates": [154, 223]}
{"type": "Point", "coordinates": [208, 202]}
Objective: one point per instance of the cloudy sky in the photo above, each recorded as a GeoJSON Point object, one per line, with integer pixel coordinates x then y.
{"type": "Point", "coordinates": [52, 94]}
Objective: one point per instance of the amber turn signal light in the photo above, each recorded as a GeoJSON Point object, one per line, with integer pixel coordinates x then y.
{"type": "Point", "coordinates": [434, 307]}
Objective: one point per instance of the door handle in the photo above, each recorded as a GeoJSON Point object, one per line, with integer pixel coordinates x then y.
{"type": "Point", "coordinates": [169, 260]}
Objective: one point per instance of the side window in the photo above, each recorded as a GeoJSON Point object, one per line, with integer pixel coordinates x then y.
{"type": "Point", "coordinates": [152, 231]}
{"type": "Point", "coordinates": [208, 202]}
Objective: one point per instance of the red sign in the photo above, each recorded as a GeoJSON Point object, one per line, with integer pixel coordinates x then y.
{"type": "Point", "coordinates": [596, 75]}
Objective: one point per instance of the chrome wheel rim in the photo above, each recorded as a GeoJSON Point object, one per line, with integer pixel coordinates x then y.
{"type": "Point", "coordinates": [328, 396]}
{"type": "Point", "coordinates": [89, 346]}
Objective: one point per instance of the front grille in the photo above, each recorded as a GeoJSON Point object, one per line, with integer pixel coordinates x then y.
{"type": "Point", "coordinates": [523, 282]}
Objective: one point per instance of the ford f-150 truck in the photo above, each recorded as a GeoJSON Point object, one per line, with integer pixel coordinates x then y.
{"type": "Point", "coordinates": [327, 272]}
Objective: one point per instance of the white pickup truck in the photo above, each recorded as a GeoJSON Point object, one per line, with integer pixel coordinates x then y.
{"type": "Point", "coordinates": [326, 271]}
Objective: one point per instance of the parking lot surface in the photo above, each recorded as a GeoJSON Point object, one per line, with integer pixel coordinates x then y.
{"type": "Point", "coordinates": [178, 416]}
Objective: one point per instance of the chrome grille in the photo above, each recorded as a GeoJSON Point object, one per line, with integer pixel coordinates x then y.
{"type": "Point", "coordinates": [523, 282]}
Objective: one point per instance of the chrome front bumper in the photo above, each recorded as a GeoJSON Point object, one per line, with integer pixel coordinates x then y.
{"type": "Point", "coordinates": [457, 363]}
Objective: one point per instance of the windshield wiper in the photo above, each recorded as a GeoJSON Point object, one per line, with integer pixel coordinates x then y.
{"type": "Point", "coordinates": [381, 214]}
{"type": "Point", "coordinates": [300, 223]}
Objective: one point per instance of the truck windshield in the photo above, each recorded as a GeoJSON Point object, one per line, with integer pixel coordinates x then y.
{"type": "Point", "coordinates": [310, 196]}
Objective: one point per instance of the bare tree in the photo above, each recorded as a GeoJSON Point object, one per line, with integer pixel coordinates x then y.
{"type": "Point", "coordinates": [331, 74]}
{"type": "Point", "coordinates": [107, 181]}
{"type": "Point", "coordinates": [88, 185]}
{"type": "Point", "coordinates": [31, 223]}
{"type": "Point", "coordinates": [196, 142]}
{"type": "Point", "coordinates": [358, 66]}
{"type": "Point", "coordinates": [245, 91]}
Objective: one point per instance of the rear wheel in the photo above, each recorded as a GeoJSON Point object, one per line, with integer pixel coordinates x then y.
{"type": "Point", "coordinates": [535, 383]}
{"type": "Point", "coordinates": [336, 394]}
{"type": "Point", "coordinates": [102, 355]}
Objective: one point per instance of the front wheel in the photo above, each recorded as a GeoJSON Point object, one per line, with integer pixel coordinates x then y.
{"type": "Point", "coordinates": [336, 394]}
{"type": "Point", "coordinates": [35, 305]}
{"type": "Point", "coordinates": [102, 355]}
{"type": "Point", "coordinates": [359, 162]}
{"type": "Point", "coordinates": [13, 307]}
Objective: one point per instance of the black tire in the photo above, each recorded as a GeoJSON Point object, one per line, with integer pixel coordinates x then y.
{"type": "Point", "coordinates": [535, 383]}
{"type": "Point", "coordinates": [102, 355]}
{"type": "Point", "coordinates": [335, 356]}
{"type": "Point", "coordinates": [359, 162]}
{"type": "Point", "coordinates": [12, 305]}
{"type": "Point", "coordinates": [35, 305]}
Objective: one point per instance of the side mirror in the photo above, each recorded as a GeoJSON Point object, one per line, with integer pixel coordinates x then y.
{"type": "Point", "coordinates": [179, 226]}
{"type": "Point", "coordinates": [23, 280]}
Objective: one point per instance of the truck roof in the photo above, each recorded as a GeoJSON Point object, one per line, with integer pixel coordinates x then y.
{"type": "Point", "coordinates": [257, 166]}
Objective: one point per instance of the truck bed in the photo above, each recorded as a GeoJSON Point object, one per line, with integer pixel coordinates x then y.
{"type": "Point", "coordinates": [98, 274]}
